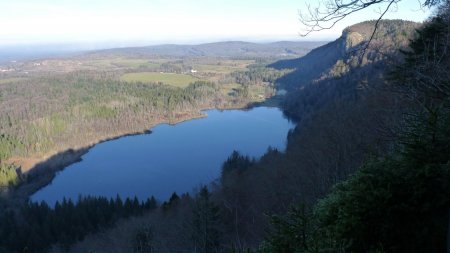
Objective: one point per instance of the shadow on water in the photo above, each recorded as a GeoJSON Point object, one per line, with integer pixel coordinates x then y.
{"type": "Point", "coordinates": [44, 172]}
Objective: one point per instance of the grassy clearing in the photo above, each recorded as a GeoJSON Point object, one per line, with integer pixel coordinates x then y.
{"type": "Point", "coordinates": [216, 68]}
{"type": "Point", "coordinates": [135, 63]}
{"type": "Point", "coordinates": [227, 89]}
{"type": "Point", "coordinates": [257, 92]}
{"type": "Point", "coordinates": [224, 67]}
{"type": "Point", "coordinates": [101, 63]}
{"type": "Point", "coordinates": [125, 62]}
{"type": "Point", "coordinates": [12, 80]}
{"type": "Point", "coordinates": [177, 80]}
{"type": "Point", "coordinates": [130, 63]}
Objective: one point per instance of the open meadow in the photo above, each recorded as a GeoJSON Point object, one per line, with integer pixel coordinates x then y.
{"type": "Point", "coordinates": [172, 79]}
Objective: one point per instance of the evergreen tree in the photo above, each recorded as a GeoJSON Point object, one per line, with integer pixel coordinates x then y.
{"type": "Point", "coordinates": [143, 240]}
{"type": "Point", "coordinates": [205, 227]}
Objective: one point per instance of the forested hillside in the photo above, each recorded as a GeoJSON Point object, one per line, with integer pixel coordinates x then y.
{"type": "Point", "coordinates": [344, 116]}
{"type": "Point", "coordinates": [364, 130]}
{"type": "Point", "coordinates": [397, 201]}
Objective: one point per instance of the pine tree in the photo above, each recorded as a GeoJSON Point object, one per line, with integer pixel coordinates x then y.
{"type": "Point", "coordinates": [143, 240]}
{"type": "Point", "coordinates": [205, 227]}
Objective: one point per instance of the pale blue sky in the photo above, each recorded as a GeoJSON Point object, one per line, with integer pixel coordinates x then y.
{"type": "Point", "coordinates": [166, 21]}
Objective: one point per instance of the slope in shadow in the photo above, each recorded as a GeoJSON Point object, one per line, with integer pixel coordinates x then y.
{"type": "Point", "coordinates": [310, 66]}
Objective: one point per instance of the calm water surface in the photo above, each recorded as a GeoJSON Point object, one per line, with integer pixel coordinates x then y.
{"type": "Point", "coordinates": [172, 158]}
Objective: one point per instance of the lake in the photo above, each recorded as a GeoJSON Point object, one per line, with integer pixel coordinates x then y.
{"type": "Point", "coordinates": [172, 158]}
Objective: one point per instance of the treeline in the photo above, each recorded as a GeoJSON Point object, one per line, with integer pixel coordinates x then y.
{"type": "Point", "coordinates": [36, 226]}
{"type": "Point", "coordinates": [176, 66]}
{"type": "Point", "coordinates": [256, 75]}
{"type": "Point", "coordinates": [8, 145]}
{"type": "Point", "coordinates": [193, 222]}
{"type": "Point", "coordinates": [8, 175]}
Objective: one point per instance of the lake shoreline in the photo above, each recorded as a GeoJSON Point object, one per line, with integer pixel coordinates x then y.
{"type": "Point", "coordinates": [45, 170]}
{"type": "Point", "coordinates": [172, 159]}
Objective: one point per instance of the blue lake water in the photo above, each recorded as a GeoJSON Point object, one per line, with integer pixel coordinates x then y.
{"type": "Point", "coordinates": [173, 158]}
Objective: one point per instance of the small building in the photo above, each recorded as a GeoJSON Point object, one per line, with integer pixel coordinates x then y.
{"type": "Point", "coordinates": [6, 70]}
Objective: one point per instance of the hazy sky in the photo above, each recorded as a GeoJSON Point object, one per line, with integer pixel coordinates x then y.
{"type": "Point", "coordinates": [166, 21]}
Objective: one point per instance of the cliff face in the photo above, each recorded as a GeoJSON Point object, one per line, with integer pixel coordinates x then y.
{"type": "Point", "coordinates": [344, 54]}
{"type": "Point", "coordinates": [352, 39]}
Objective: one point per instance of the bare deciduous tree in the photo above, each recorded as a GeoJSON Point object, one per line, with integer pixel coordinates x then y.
{"type": "Point", "coordinates": [326, 14]}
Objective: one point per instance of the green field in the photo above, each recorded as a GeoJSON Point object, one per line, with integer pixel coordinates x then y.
{"type": "Point", "coordinates": [223, 67]}
{"type": "Point", "coordinates": [11, 80]}
{"type": "Point", "coordinates": [136, 63]}
{"type": "Point", "coordinates": [216, 68]}
{"type": "Point", "coordinates": [177, 80]}
{"type": "Point", "coordinates": [121, 62]}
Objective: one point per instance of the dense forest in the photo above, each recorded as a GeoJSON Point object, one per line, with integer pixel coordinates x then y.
{"type": "Point", "coordinates": [40, 225]}
{"type": "Point", "coordinates": [365, 170]}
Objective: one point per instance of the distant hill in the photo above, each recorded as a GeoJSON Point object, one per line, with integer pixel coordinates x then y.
{"type": "Point", "coordinates": [235, 49]}
{"type": "Point", "coordinates": [218, 49]}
